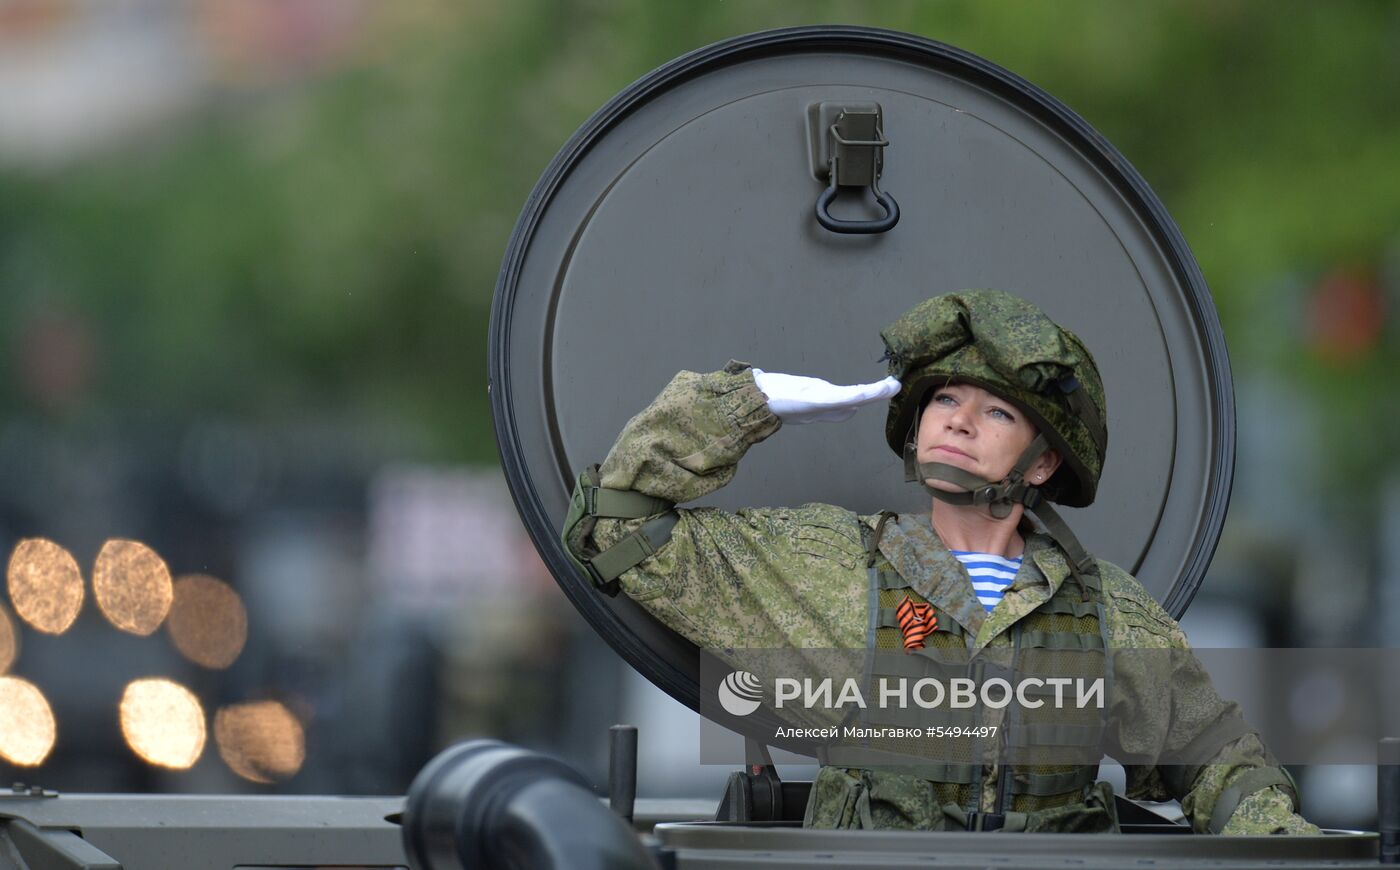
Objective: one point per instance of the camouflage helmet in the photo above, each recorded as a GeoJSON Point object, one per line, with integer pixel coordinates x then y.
{"type": "Point", "coordinates": [1009, 347]}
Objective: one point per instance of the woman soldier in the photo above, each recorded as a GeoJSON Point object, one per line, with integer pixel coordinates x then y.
{"type": "Point", "coordinates": [996, 411]}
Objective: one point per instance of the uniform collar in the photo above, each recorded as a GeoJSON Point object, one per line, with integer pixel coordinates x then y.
{"type": "Point", "coordinates": [1048, 557]}
{"type": "Point", "coordinates": [1043, 571]}
{"type": "Point", "coordinates": [921, 558]}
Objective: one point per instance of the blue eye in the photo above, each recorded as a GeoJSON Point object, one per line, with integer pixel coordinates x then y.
{"type": "Point", "coordinates": [1005, 416]}
{"type": "Point", "coordinates": [944, 398]}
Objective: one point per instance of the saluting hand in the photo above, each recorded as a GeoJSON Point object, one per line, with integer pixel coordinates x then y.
{"type": "Point", "coordinates": [799, 399]}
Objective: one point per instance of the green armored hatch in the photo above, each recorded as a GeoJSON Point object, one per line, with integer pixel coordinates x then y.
{"type": "Point", "coordinates": [697, 218]}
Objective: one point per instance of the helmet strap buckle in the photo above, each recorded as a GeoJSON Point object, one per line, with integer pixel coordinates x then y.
{"type": "Point", "coordinates": [911, 462]}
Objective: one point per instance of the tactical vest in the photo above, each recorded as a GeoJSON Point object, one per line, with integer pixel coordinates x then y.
{"type": "Point", "coordinates": [1072, 619]}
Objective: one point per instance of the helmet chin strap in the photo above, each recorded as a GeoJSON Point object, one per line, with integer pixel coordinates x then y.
{"type": "Point", "coordinates": [997, 497]}
{"type": "Point", "coordinates": [1000, 497]}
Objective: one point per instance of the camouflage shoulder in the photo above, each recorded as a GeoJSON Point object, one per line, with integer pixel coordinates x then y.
{"type": "Point", "coordinates": [824, 530]}
{"type": "Point", "coordinates": [827, 513]}
{"type": "Point", "coordinates": [812, 512]}
{"type": "Point", "coordinates": [1136, 619]}
{"type": "Point", "coordinates": [1119, 585]}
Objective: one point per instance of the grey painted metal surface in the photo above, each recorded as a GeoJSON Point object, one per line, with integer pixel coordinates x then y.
{"type": "Point", "coordinates": [677, 230]}
{"type": "Point", "coordinates": [163, 832]}
{"type": "Point", "coordinates": [138, 832]}
{"type": "Point", "coordinates": [193, 832]}
{"type": "Point", "coordinates": [711, 847]}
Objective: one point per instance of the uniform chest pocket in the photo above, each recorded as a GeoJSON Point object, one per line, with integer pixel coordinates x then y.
{"type": "Point", "coordinates": [823, 541]}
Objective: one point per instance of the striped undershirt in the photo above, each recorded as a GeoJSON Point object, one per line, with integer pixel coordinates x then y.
{"type": "Point", "coordinates": [990, 574]}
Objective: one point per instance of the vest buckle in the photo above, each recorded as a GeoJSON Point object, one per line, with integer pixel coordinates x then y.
{"type": "Point", "coordinates": [985, 821]}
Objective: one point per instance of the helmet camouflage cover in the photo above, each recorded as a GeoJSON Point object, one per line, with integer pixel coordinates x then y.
{"type": "Point", "coordinates": [1009, 347]}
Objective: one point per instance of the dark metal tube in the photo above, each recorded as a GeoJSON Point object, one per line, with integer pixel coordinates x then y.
{"type": "Point", "coordinates": [491, 806]}
{"type": "Point", "coordinates": [556, 824]}
{"type": "Point", "coordinates": [622, 770]}
{"type": "Point", "coordinates": [1388, 799]}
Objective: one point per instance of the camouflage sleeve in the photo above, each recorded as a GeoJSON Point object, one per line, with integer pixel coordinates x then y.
{"type": "Point", "coordinates": [1152, 651]}
{"type": "Point", "coordinates": [1268, 812]}
{"type": "Point", "coordinates": [688, 442]}
{"type": "Point", "coordinates": [770, 577]}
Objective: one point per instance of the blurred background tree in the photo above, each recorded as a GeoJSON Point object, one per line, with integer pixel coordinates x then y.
{"type": "Point", "coordinates": [334, 242]}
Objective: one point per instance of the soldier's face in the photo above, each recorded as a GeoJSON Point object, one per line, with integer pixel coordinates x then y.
{"type": "Point", "coordinates": [969, 428]}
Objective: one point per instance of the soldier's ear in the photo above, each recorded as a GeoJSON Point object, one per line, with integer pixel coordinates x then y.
{"type": "Point", "coordinates": [1045, 466]}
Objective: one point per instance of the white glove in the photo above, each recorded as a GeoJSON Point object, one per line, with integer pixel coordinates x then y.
{"type": "Point", "coordinates": [798, 399]}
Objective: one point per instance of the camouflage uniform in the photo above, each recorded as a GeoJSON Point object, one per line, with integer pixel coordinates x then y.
{"type": "Point", "coordinates": [795, 577]}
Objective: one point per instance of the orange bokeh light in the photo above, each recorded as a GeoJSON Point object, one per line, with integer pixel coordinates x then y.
{"type": "Point", "coordinates": [9, 641]}
{"type": "Point", "coordinates": [27, 727]}
{"type": "Point", "coordinates": [46, 587]}
{"type": "Point", "coordinates": [132, 586]}
{"type": "Point", "coordinates": [163, 723]}
{"type": "Point", "coordinates": [208, 623]}
{"type": "Point", "coordinates": [260, 741]}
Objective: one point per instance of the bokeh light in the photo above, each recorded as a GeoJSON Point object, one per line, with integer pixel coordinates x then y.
{"type": "Point", "coordinates": [260, 741]}
{"type": "Point", "coordinates": [9, 641]}
{"type": "Point", "coordinates": [163, 723]}
{"type": "Point", "coordinates": [46, 587]}
{"type": "Point", "coordinates": [132, 586]}
{"type": "Point", "coordinates": [208, 623]}
{"type": "Point", "coordinates": [27, 727]}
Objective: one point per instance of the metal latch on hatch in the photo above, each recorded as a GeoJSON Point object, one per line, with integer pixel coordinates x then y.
{"type": "Point", "coordinates": [847, 149]}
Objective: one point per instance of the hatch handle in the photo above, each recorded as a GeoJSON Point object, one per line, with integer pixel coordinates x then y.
{"type": "Point", "coordinates": [847, 147]}
{"type": "Point", "coordinates": [837, 225]}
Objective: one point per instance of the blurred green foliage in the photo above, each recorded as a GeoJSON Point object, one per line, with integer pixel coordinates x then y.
{"type": "Point", "coordinates": [337, 247]}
